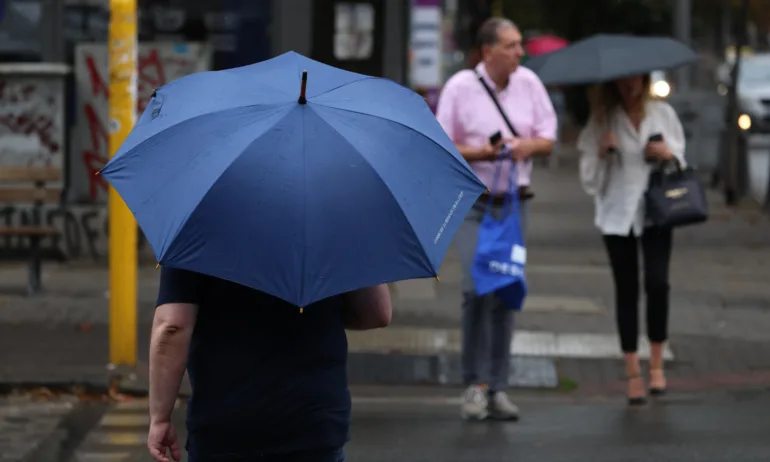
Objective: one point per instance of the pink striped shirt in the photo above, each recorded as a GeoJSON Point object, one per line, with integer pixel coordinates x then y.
{"type": "Point", "coordinates": [468, 115]}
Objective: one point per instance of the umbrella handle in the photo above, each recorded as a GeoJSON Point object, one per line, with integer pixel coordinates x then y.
{"type": "Point", "coordinates": [302, 99]}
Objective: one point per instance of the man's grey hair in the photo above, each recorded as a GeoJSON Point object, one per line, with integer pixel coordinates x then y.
{"type": "Point", "coordinates": [489, 31]}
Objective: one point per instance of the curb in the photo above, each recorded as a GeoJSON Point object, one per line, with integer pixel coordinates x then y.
{"type": "Point", "coordinates": [45, 431]}
{"type": "Point", "coordinates": [442, 370]}
{"type": "Point", "coordinates": [61, 443]}
{"type": "Point", "coordinates": [49, 449]}
{"type": "Point", "coordinates": [704, 383]}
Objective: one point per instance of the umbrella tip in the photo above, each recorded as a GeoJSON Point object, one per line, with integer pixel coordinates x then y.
{"type": "Point", "coordinates": [437, 279]}
{"type": "Point", "coordinates": [157, 266]}
{"type": "Point", "coordinates": [302, 99]}
{"type": "Point", "coordinates": [301, 309]}
{"type": "Point", "coordinates": [96, 173]}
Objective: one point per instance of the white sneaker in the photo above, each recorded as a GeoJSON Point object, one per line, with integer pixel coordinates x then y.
{"type": "Point", "coordinates": [501, 408]}
{"type": "Point", "coordinates": [475, 403]}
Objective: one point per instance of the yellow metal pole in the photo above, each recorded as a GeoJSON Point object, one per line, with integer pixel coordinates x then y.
{"type": "Point", "coordinates": [123, 253]}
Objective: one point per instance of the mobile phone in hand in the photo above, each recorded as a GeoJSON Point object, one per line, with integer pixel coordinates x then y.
{"type": "Point", "coordinates": [654, 138]}
{"type": "Point", "coordinates": [494, 139]}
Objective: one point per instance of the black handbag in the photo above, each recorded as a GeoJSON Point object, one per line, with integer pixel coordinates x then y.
{"type": "Point", "coordinates": [675, 197]}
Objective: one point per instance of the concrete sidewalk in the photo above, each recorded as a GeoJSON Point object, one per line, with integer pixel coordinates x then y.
{"type": "Point", "coordinates": [719, 321]}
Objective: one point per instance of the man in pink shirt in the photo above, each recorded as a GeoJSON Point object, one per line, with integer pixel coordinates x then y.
{"type": "Point", "coordinates": [469, 116]}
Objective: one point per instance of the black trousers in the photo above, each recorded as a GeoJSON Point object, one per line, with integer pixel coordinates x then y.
{"type": "Point", "coordinates": [623, 253]}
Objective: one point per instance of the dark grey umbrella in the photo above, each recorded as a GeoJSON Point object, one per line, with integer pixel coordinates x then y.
{"type": "Point", "coordinates": [601, 58]}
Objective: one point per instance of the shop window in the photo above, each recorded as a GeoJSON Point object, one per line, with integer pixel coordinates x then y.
{"type": "Point", "coordinates": [353, 31]}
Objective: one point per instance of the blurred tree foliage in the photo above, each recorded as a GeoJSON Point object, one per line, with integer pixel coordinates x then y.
{"type": "Point", "coordinates": [575, 20]}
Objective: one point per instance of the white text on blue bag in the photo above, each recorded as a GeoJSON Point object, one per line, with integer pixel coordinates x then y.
{"type": "Point", "coordinates": [512, 268]}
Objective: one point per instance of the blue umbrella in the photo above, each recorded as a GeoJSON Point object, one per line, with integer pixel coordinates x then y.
{"type": "Point", "coordinates": [294, 178]}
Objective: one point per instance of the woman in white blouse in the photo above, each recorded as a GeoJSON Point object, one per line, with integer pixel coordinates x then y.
{"type": "Point", "coordinates": [617, 157]}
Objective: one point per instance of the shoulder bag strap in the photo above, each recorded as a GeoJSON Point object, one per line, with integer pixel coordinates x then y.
{"type": "Point", "coordinates": [497, 103]}
{"type": "Point", "coordinates": [502, 113]}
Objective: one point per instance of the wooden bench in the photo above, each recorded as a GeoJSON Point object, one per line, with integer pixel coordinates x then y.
{"type": "Point", "coordinates": [27, 185]}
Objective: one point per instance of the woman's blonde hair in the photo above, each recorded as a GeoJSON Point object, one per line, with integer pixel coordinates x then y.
{"type": "Point", "coordinates": [605, 97]}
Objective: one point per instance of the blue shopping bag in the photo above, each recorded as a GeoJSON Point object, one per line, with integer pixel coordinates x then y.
{"type": "Point", "coordinates": [498, 266]}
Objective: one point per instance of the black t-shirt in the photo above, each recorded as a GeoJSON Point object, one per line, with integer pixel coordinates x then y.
{"type": "Point", "coordinates": [266, 378]}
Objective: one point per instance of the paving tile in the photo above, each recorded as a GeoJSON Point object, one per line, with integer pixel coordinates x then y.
{"type": "Point", "coordinates": [537, 303]}
{"type": "Point", "coordinates": [107, 437]}
{"type": "Point", "coordinates": [30, 430]}
{"type": "Point", "coordinates": [415, 289]}
{"type": "Point", "coordinates": [117, 420]}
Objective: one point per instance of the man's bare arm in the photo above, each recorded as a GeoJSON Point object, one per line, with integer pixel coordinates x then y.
{"type": "Point", "coordinates": [542, 147]}
{"type": "Point", "coordinates": [367, 308]}
{"type": "Point", "coordinates": [172, 330]}
{"type": "Point", "coordinates": [533, 147]}
{"type": "Point", "coordinates": [478, 153]}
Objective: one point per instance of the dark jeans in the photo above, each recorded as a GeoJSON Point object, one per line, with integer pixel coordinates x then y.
{"type": "Point", "coordinates": [487, 325]}
{"type": "Point", "coordinates": [327, 455]}
{"type": "Point", "coordinates": [624, 258]}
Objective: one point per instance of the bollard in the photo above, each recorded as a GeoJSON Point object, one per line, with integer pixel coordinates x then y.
{"type": "Point", "coordinates": [123, 229]}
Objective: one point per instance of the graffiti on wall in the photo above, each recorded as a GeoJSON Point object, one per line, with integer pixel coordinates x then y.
{"type": "Point", "coordinates": [157, 64]}
{"type": "Point", "coordinates": [82, 231]}
{"type": "Point", "coordinates": [31, 120]}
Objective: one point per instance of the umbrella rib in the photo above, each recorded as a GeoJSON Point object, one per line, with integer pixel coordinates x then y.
{"type": "Point", "coordinates": [365, 77]}
{"type": "Point", "coordinates": [303, 261]}
{"type": "Point", "coordinates": [466, 167]}
{"type": "Point", "coordinates": [207, 114]}
{"type": "Point", "coordinates": [411, 227]}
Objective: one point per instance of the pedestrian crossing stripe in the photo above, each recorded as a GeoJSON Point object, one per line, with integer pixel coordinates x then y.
{"type": "Point", "coordinates": [539, 344]}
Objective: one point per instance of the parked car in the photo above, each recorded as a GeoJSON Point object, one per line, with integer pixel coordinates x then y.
{"type": "Point", "coordinates": [753, 91]}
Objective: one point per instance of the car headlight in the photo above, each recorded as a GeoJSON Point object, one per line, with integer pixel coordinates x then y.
{"type": "Point", "coordinates": [661, 89]}
{"type": "Point", "coordinates": [744, 122]}
{"type": "Point", "coordinates": [722, 89]}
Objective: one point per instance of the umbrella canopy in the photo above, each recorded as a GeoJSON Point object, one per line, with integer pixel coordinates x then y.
{"type": "Point", "coordinates": [542, 44]}
{"type": "Point", "coordinates": [302, 194]}
{"type": "Point", "coordinates": [602, 58]}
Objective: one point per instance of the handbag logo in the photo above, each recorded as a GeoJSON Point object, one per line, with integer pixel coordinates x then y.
{"type": "Point", "coordinates": [676, 193]}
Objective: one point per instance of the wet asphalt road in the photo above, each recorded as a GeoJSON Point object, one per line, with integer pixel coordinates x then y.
{"type": "Point", "coordinates": [714, 427]}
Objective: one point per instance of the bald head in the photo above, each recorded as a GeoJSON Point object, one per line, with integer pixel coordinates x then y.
{"type": "Point", "coordinates": [489, 30]}
{"type": "Point", "coordinates": [501, 47]}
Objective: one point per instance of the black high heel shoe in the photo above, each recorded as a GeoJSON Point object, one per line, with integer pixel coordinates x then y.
{"type": "Point", "coordinates": [635, 401]}
{"type": "Point", "coordinates": [657, 382]}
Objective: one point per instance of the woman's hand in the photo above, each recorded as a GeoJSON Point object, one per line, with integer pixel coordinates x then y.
{"type": "Point", "coordinates": [606, 143]}
{"type": "Point", "coordinates": [658, 150]}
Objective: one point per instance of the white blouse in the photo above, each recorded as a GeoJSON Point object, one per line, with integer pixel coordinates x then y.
{"type": "Point", "coordinates": [618, 181]}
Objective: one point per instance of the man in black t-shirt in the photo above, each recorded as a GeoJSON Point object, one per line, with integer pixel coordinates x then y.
{"type": "Point", "coordinates": [269, 380]}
